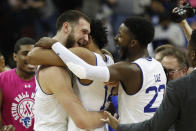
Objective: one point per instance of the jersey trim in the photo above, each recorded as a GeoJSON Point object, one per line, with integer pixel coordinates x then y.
{"type": "Point", "coordinates": [40, 85]}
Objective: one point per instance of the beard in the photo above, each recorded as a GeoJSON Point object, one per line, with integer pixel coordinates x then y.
{"type": "Point", "coordinates": [70, 41]}
{"type": "Point", "coordinates": [123, 53]}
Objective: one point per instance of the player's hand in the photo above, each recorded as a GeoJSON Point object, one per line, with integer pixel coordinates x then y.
{"type": "Point", "coordinates": [7, 128]}
{"type": "Point", "coordinates": [45, 42]}
{"type": "Point", "coordinates": [112, 84]}
{"type": "Point", "coordinates": [104, 51]}
{"type": "Point", "coordinates": [111, 120]}
{"type": "Point", "coordinates": [183, 12]}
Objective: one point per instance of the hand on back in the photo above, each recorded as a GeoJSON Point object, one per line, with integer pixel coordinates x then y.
{"type": "Point", "coordinates": [45, 42]}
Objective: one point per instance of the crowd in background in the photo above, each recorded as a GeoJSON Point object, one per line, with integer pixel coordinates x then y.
{"type": "Point", "coordinates": [36, 18]}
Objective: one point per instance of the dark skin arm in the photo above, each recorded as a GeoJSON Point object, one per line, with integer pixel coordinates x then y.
{"type": "Point", "coordinates": [41, 56]}
{"type": "Point", "coordinates": [129, 74]}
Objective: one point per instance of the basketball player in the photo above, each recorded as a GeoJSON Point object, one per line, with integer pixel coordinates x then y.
{"type": "Point", "coordinates": [142, 78]}
{"type": "Point", "coordinates": [54, 88]}
{"type": "Point", "coordinates": [175, 108]}
{"type": "Point", "coordinates": [17, 89]}
{"type": "Point", "coordinates": [93, 94]}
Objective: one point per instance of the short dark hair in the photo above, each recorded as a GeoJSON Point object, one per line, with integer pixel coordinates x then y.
{"type": "Point", "coordinates": [23, 41]}
{"type": "Point", "coordinates": [72, 16]}
{"type": "Point", "coordinates": [98, 33]}
{"type": "Point", "coordinates": [192, 41]}
{"type": "Point", "coordinates": [142, 29]}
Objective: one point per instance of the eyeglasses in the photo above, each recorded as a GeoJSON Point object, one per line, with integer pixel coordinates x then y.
{"type": "Point", "coordinates": [171, 71]}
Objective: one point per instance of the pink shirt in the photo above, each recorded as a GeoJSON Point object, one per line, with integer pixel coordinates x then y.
{"type": "Point", "coordinates": [18, 100]}
{"type": "Point", "coordinates": [193, 3]}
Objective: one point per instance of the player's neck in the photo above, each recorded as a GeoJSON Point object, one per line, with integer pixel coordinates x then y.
{"type": "Point", "coordinates": [24, 75]}
{"type": "Point", "coordinates": [139, 54]}
{"type": "Point", "coordinates": [60, 38]}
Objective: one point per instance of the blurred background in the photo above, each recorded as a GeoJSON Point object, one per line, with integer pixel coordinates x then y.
{"type": "Point", "coordinates": [37, 18]}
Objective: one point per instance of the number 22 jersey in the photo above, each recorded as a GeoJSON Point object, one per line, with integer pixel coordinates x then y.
{"type": "Point", "coordinates": [142, 105]}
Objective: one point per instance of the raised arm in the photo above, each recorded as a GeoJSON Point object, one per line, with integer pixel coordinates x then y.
{"type": "Point", "coordinates": [60, 85]}
{"type": "Point", "coordinates": [187, 29]}
{"type": "Point", "coordinates": [180, 14]}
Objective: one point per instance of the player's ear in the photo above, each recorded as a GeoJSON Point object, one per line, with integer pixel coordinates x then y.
{"type": "Point", "coordinates": [133, 43]}
{"type": "Point", "coordinates": [14, 57]}
{"type": "Point", "coordinates": [66, 27]}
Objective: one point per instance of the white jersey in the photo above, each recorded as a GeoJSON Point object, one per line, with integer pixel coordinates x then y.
{"type": "Point", "coordinates": [142, 105]}
{"type": "Point", "coordinates": [93, 96]}
{"type": "Point", "coordinates": [49, 114]}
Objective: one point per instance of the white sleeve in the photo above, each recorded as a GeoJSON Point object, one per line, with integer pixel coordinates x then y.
{"type": "Point", "coordinates": [79, 67]}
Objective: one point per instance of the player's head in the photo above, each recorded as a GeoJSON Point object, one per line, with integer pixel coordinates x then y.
{"type": "Point", "coordinates": [192, 49]}
{"type": "Point", "coordinates": [98, 33]}
{"type": "Point", "coordinates": [75, 27]}
{"type": "Point", "coordinates": [21, 49]}
{"type": "Point", "coordinates": [134, 33]}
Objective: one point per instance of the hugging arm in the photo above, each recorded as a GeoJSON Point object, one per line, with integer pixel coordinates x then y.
{"type": "Point", "coordinates": [42, 56]}
{"type": "Point", "coordinates": [79, 67]}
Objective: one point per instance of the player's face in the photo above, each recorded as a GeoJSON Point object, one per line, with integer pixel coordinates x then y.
{"type": "Point", "coordinates": [81, 32]}
{"type": "Point", "coordinates": [122, 39]}
{"type": "Point", "coordinates": [173, 68]}
{"type": "Point", "coordinates": [21, 59]}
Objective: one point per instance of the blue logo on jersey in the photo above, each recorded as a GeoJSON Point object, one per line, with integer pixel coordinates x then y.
{"type": "Point", "coordinates": [26, 122]}
{"type": "Point", "coordinates": [149, 58]}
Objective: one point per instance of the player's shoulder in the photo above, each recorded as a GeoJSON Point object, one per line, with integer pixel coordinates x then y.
{"type": "Point", "coordinates": [50, 70]}
{"type": "Point", "coordinates": [7, 73]}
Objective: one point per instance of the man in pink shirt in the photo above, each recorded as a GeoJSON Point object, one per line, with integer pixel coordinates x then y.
{"type": "Point", "coordinates": [17, 89]}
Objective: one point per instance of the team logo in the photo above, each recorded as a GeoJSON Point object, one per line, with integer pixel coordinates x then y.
{"type": "Point", "coordinates": [27, 86]}
{"type": "Point", "coordinates": [22, 110]}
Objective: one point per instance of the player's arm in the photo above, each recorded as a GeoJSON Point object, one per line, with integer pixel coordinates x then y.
{"type": "Point", "coordinates": [41, 56]}
{"type": "Point", "coordinates": [84, 70]}
{"type": "Point", "coordinates": [60, 85]}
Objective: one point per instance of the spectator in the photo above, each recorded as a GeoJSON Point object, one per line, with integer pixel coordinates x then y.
{"type": "Point", "coordinates": [17, 89]}
{"type": "Point", "coordinates": [175, 63]}
{"type": "Point", "coordinates": [168, 32]}
{"type": "Point", "coordinates": [3, 67]}
{"type": "Point", "coordinates": [160, 49]}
